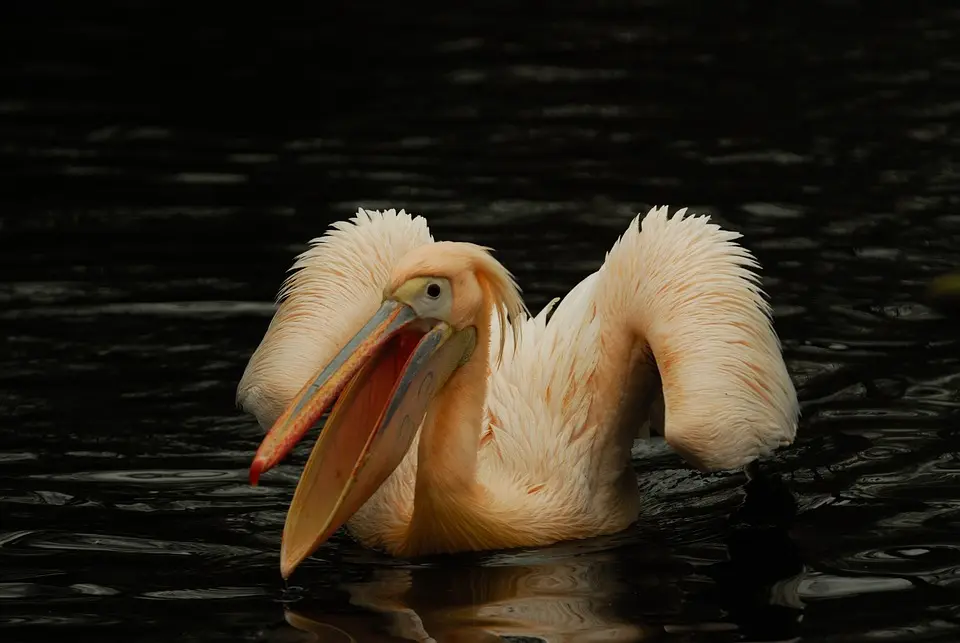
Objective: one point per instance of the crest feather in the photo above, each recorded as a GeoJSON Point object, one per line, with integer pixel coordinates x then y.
{"type": "Point", "coordinates": [501, 289]}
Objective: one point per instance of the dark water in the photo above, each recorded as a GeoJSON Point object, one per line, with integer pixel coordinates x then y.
{"type": "Point", "coordinates": [162, 168]}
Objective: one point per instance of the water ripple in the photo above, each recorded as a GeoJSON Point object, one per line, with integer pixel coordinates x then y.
{"type": "Point", "coordinates": [149, 477]}
{"type": "Point", "coordinates": [121, 545]}
{"type": "Point", "coordinates": [202, 309]}
{"type": "Point", "coordinates": [213, 593]}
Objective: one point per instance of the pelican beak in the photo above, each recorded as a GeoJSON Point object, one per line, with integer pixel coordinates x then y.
{"type": "Point", "coordinates": [385, 377]}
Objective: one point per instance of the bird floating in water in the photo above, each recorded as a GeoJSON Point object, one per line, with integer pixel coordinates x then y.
{"type": "Point", "coordinates": [461, 422]}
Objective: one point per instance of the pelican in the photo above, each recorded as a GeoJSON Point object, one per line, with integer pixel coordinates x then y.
{"type": "Point", "coordinates": [460, 422]}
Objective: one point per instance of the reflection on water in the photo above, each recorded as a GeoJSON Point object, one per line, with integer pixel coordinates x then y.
{"type": "Point", "coordinates": [158, 186]}
{"type": "Point", "coordinates": [561, 601]}
{"type": "Point", "coordinates": [594, 590]}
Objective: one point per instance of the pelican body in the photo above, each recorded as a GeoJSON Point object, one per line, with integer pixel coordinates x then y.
{"type": "Point", "coordinates": [461, 422]}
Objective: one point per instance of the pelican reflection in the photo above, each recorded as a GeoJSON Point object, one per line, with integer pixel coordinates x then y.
{"type": "Point", "coordinates": [552, 599]}
{"type": "Point", "coordinates": [618, 588]}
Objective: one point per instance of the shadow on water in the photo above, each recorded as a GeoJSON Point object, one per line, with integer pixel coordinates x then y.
{"type": "Point", "coordinates": [161, 171]}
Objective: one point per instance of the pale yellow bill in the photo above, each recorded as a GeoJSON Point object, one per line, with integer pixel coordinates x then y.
{"type": "Point", "coordinates": [367, 435]}
{"type": "Point", "coordinates": [316, 395]}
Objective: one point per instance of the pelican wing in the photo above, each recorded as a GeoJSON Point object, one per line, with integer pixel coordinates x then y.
{"type": "Point", "coordinates": [672, 331]}
{"type": "Point", "coordinates": [334, 287]}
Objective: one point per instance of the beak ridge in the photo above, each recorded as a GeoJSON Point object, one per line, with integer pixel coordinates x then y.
{"type": "Point", "coordinates": [317, 394]}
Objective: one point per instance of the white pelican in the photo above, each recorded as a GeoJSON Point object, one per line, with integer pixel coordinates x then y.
{"type": "Point", "coordinates": [461, 423]}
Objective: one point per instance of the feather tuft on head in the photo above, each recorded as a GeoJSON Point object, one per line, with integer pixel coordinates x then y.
{"type": "Point", "coordinates": [451, 260]}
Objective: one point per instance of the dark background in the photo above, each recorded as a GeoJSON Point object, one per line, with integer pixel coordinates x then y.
{"type": "Point", "coordinates": [162, 165]}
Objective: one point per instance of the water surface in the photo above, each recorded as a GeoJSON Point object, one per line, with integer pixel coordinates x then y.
{"type": "Point", "coordinates": [162, 171]}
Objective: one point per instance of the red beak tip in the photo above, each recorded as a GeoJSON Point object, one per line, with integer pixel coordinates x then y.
{"type": "Point", "coordinates": [255, 470]}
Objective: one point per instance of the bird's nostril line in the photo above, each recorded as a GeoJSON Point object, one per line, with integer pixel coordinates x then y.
{"type": "Point", "coordinates": [426, 386]}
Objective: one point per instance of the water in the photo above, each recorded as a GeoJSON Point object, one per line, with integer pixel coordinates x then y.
{"type": "Point", "coordinates": [162, 170]}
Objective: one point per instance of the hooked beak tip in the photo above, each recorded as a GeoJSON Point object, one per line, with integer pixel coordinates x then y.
{"type": "Point", "coordinates": [256, 468]}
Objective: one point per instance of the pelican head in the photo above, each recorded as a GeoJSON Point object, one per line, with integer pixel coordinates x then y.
{"type": "Point", "coordinates": [437, 302]}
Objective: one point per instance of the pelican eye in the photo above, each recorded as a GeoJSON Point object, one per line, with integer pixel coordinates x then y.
{"type": "Point", "coordinates": [433, 291]}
